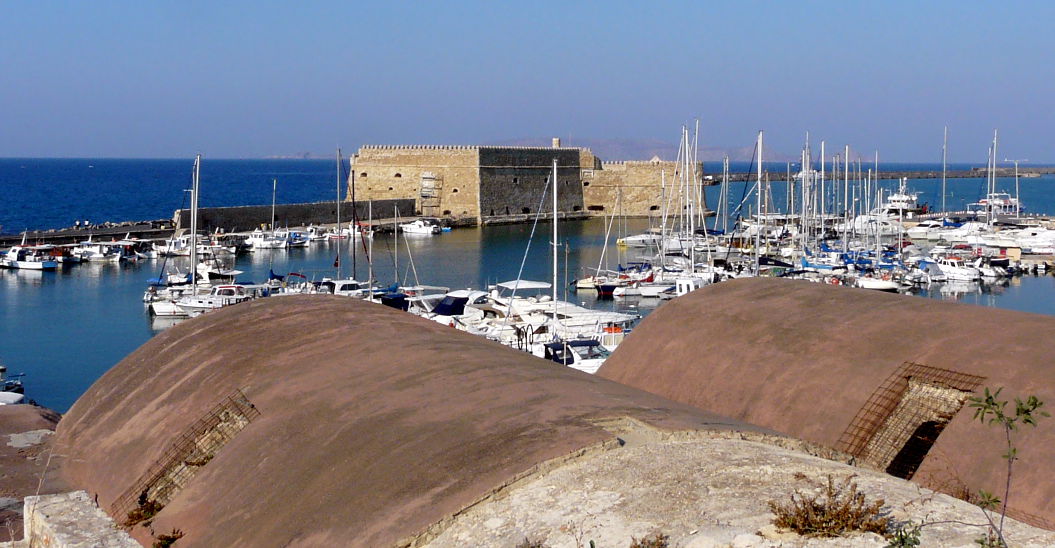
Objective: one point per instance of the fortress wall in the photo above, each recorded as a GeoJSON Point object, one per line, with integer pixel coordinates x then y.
{"type": "Point", "coordinates": [629, 188]}
{"type": "Point", "coordinates": [395, 172]}
{"type": "Point", "coordinates": [512, 180]}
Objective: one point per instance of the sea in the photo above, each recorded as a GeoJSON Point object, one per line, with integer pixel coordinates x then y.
{"type": "Point", "coordinates": [64, 329]}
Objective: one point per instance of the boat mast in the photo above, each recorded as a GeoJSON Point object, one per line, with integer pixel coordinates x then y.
{"type": "Point", "coordinates": [370, 246]}
{"type": "Point", "coordinates": [555, 242]}
{"type": "Point", "coordinates": [340, 232]}
{"type": "Point", "coordinates": [758, 227]}
{"type": "Point", "coordinates": [944, 152]}
{"type": "Point", "coordinates": [194, 225]}
{"type": "Point", "coordinates": [274, 189]}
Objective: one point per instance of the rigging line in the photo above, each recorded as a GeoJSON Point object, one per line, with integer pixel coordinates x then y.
{"type": "Point", "coordinates": [523, 260]}
{"type": "Point", "coordinates": [743, 198]}
{"type": "Point", "coordinates": [166, 257]}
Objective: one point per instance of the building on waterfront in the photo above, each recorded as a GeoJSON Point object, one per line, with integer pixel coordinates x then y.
{"type": "Point", "coordinates": [483, 184]}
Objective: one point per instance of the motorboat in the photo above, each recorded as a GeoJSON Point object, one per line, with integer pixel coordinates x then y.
{"type": "Point", "coordinates": [220, 296]}
{"type": "Point", "coordinates": [259, 239]}
{"type": "Point", "coordinates": [423, 225]}
{"type": "Point", "coordinates": [586, 355]}
{"type": "Point", "coordinates": [926, 230]}
{"type": "Point", "coordinates": [956, 269]}
{"type": "Point", "coordinates": [28, 258]}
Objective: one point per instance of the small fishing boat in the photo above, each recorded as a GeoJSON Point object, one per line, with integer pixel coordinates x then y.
{"type": "Point", "coordinates": [29, 258]}
{"type": "Point", "coordinates": [423, 225]}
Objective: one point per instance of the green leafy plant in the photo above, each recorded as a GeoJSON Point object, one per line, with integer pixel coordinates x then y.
{"type": "Point", "coordinates": [905, 535]}
{"type": "Point", "coordinates": [991, 410]}
{"type": "Point", "coordinates": [839, 509]}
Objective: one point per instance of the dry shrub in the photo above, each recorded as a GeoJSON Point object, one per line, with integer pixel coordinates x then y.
{"type": "Point", "coordinates": [531, 543]}
{"type": "Point", "coordinates": [165, 541]}
{"type": "Point", "coordinates": [839, 509]}
{"type": "Point", "coordinates": [655, 540]}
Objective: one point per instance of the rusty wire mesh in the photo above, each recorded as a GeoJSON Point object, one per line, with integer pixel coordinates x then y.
{"type": "Point", "coordinates": [189, 451]}
{"type": "Point", "coordinates": [885, 399]}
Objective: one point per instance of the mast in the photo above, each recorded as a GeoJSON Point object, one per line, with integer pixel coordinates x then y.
{"type": "Point", "coordinates": [274, 190]}
{"type": "Point", "coordinates": [758, 228]}
{"type": "Point", "coordinates": [944, 152]}
{"type": "Point", "coordinates": [355, 217]}
{"type": "Point", "coordinates": [340, 231]}
{"type": "Point", "coordinates": [370, 246]}
{"type": "Point", "coordinates": [555, 241]}
{"type": "Point", "coordinates": [194, 225]}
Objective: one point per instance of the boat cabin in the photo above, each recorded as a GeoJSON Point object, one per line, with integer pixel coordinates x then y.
{"type": "Point", "coordinates": [575, 351]}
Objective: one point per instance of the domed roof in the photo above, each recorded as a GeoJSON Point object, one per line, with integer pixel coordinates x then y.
{"type": "Point", "coordinates": [877, 375]}
{"type": "Point", "coordinates": [328, 421]}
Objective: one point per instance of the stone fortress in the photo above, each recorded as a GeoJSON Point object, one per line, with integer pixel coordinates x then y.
{"type": "Point", "coordinates": [491, 184]}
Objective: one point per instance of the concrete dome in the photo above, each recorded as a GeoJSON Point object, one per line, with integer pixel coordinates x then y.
{"type": "Point", "coordinates": [876, 375]}
{"type": "Point", "coordinates": [355, 424]}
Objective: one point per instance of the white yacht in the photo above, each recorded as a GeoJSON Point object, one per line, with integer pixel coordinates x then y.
{"type": "Point", "coordinates": [220, 296]}
{"type": "Point", "coordinates": [421, 226]}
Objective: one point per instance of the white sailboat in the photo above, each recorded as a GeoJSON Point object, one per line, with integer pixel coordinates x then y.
{"type": "Point", "coordinates": [271, 239]}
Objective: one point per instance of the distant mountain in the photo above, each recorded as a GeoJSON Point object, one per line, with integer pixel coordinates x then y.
{"type": "Point", "coordinates": [645, 149]}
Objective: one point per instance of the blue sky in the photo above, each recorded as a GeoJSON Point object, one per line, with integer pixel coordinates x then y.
{"type": "Point", "coordinates": [252, 79]}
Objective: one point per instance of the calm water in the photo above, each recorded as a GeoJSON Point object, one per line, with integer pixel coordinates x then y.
{"type": "Point", "coordinates": [65, 329]}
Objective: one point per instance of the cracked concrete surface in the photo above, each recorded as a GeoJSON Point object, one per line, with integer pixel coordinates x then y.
{"type": "Point", "coordinates": [702, 493]}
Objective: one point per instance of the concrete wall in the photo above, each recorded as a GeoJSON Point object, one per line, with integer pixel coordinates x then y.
{"type": "Point", "coordinates": [243, 218]}
{"type": "Point", "coordinates": [513, 180]}
{"type": "Point", "coordinates": [395, 172]}
{"type": "Point", "coordinates": [71, 520]}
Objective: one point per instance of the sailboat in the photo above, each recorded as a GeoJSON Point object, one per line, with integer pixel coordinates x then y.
{"type": "Point", "coordinates": [259, 239]}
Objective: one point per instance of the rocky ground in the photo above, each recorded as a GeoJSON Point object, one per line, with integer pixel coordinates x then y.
{"type": "Point", "coordinates": [703, 493]}
{"type": "Point", "coordinates": [25, 431]}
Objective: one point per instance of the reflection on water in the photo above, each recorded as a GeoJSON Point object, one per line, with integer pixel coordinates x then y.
{"type": "Point", "coordinates": [66, 328]}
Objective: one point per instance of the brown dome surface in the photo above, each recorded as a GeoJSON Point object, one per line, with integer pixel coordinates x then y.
{"type": "Point", "coordinates": [373, 424]}
{"type": "Point", "coordinates": [828, 365]}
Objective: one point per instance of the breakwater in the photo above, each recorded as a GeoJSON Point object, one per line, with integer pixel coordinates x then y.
{"type": "Point", "coordinates": [227, 219]}
{"type": "Point", "coordinates": [974, 173]}
{"type": "Point", "coordinates": [247, 218]}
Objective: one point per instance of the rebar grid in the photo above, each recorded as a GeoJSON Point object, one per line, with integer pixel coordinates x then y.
{"type": "Point", "coordinates": [885, 399]}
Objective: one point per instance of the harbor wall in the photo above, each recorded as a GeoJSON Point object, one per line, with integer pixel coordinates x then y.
{"type": "Point", "coordinates": [245, 218]}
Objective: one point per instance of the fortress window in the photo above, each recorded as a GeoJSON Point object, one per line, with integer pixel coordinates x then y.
{"type": "Point", "coordinates": [596, 208]}
{"type": "Point", "coordinates": [398, 175]}
{"type": "Point", "coordinates": [525, 210]}
{"type": "Point", "coordinates": [516, 180]}
{"type": "Point", "coordinates": [454, 190]}
{"type": "Point", "coordinates": [446, 212]}
{"type": "Point", "coordinates": [389, 188]}
{"type": "Point", "coordinates": [586, 183]}
{"type": "Point", "coordinates": [653, 208]}
{"type": "Point", "coordinates": [577, 208]}
{"type": "Point", "coordinates": [363, 174]}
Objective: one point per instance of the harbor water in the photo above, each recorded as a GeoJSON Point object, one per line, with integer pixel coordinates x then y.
{"type": "Point", "coordinates": [64, 329]}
